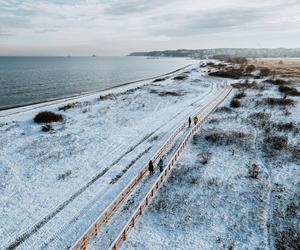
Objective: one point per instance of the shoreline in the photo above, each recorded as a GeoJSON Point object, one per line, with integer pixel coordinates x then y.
{"type": "Point", "coordinates": [49, 102]}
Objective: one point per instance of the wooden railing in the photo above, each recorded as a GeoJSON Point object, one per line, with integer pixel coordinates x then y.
{"type": "Point", "coordinates": [94, 229]}
{"type": "Point", "coordinates": [162, 177]}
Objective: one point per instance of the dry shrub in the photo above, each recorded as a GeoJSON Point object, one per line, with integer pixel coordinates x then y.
{"type": "Point", "coordinates": [235, 103]}
{"type": "Point", "coordinates": [69, 106]}
{"type": "Point", "coordinates": [265, 71]}
{"type": "Point", "coordinates": [47, 128]}
{"type": "Point", "coordinates": [223, 109]}
{"type": "Point", "coordinates": [220, 137]}
{"type": "Point", "coordinates": [245, 85]}
{"type": "Point", "coordinates": [259, 119]}
{"type": "Point", "coordinates": [229, 73]}
{"type": "Point", "coordinates": [288, 90]}
{"type": "Point", "coordinates": [166, 93]}
{"type": "Point", "coordinates": [278, 101]}
{"type": "Point", "coordinates": [240, 95]}
{"type": "Point", "coordinates": [105, 97]}
{"type": "Point", "coordinates": [180, 77]}
{"type": "Point", "coordinates": [160, 79]}
{"type": "Point", "coordinates": [254, 171]}
{"type": "Point", "coordinates": [205, 157]}
{"type": "Point", "coordinates": [289, 126]}
{"type": "Point", "coordinates": [276, 81]}
{"type": "Point", "coordinates": [275, 142]}
{"type": "Point", "coordinates": [48, 117]}
{"type": "Point", "coordinates": [64, 175]}
{"type": "Point", "coordinates": [250, 68]}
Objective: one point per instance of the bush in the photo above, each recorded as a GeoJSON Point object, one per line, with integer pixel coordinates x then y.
{"type": "Point", "coordinates": [224, 109]}
{"type": "Point", "coordinates": [230, 73]}
{"type": "Point", "coordinates": [240, 95]}
{"type": "Point", "coordinates": [180, 77]}
{"type": "Point", "coordinates": [235, 103]}
{"type": "Point", "coordinates": [288, 90]}
{"type": "Point", "coordinates": [277, 81]}
{"type": "Point", "coordinates": [275, 142]}
{"type": "Point", "coordinates": [160, 79]}
{"type": "Point", "coordinates": [246, 85]}
{"type": "Point", "coordinates": [205, 157]}
{"type": "Point", "coordinates": [69, 106]}
{"type": "Point", "coordinates": [265, 71]}
{"type": "Point", "coordinates": [250, 68]}
{"type": "Point", "coordinates": [278, 101]}
{"type": "Point", "coordinates": [166, 93]}
{"type": "Point", "coordinates": [254, 171]}
{"type": "Point", "coordinates": [105, 97]}
{"type": "Point", "coordinates": [64, 175]}
{"type": "Point", "coordinates": [47, 117]}
{"type": "Point", "coordinates": [47, 128]}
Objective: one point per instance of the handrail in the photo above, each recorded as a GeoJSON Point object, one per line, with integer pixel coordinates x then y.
{"type": "Point", "coordinates": [162, 177]}
{"type": "Point", "coordinates": [94, 228]}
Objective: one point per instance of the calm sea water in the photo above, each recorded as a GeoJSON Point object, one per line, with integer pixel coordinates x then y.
{"type": "Point", "coordinates": [26, 80]}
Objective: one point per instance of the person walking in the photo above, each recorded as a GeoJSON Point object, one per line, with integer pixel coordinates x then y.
{"type": "Point", "coordinates": [161, 164]}
{"type": "Point", "coordinates": [195, 120]}
{"type": "Point", "coordinates": [151, 167]}
{"type": "Point", "coordinates": [190, 121]}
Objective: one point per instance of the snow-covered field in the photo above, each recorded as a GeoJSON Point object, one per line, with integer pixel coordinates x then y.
{"type": "Point", "coordinates": [247, 194]}
{"type": "Point", "coordinates": [49, 182]}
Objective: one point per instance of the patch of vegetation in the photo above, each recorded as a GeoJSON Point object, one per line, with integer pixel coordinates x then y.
{"type": "Point", "coordinates": [235, 103]}
{"type": "Point", "coordinates": [223, 109]}
{"type": "Point", "coordinates": [205, 157]}
{"type": "Point", "coordinates": [105, 97]}
{"type": "Point", "coordinates": [47, 128]}
{"type": "Point", "coordinates": [278, 101]}
{"type": "Point", "coordinates": [275, 142]}
{"type": "Point", "coordinates": [254, 171]}
{"type": "Point", "coordinates": [166, 93]}
{"type": "Point", "coordinates": [245, 85]}
{"type": "Point", "coordinates": [69, 106]}
{"type": "Point", "coordinates": [264, 72]}
{"type": "Point", "coordinates": [288, 90]}
{"type": "Point", "coordinates": [48, 117]}
{"type": "Point", "coordinates": [240, 95]}
{"type": "Point", "coordinates": [64, 175]}
{"type": "Point", "coordinates": [231, 59]}
{"type": "Point", "coordinates": [180, 77]}
{"type": "Point", "coordinates": [250, 68]}
{"type": "Point", "coordinates": [229, 73]}
{"type": "Point", "coordinates": [160, 79]}
{"type": "Point", "coordinates": [276, 81]}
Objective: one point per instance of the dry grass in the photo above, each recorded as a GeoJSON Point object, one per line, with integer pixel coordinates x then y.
{"type": "Point", "coordinates": [180, 77]}
{"type": "Point", "coordinates": [289, 67]}
{"type": "Point", "coordinates": [235, 103]}
{"type": "Point", "coordinates": [69, 106]}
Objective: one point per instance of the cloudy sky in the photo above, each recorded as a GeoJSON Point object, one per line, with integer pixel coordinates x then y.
{"type": "Point", "coordinates": [115, 27]}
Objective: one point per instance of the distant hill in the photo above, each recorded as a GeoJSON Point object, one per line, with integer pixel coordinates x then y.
{"type": "Point", "coordinates": [207, 53]}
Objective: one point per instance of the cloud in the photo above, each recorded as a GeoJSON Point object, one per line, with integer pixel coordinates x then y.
{"type": "Point", "coordinates": [120, 26]}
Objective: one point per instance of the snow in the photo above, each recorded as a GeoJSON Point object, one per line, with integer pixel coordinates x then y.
{"type": "Point", "coordinates": [97, 141]}
{"type": "Point", "coordinates": [219, 205]}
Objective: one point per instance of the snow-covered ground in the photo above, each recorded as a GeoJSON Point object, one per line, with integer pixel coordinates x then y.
{"type": "Point", "coordinates": [246, 196]}
{"type": "Point", "coordinates": [50, 181]}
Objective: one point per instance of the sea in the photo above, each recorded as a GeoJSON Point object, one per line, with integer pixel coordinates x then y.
{"type": "Point", "coordinates": [29, 80]}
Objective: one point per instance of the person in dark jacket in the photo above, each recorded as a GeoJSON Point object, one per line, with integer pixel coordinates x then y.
{"type": "Point", "coordinates": [195, 120]}
{"type": "Point", "coordinates": [190, 121]}
{"type": "Point", "coordinates": [151, 167]}
{"type": "Point", "coordinates": [161, 164]}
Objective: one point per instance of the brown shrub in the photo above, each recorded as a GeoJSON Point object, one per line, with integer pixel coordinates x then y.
{"type": "Point", "coordinates": [47, 117]}
{"type": "Point", "coordinates": [250, 68]}
{"type": "Point", "coordinates": [275, 142]}
{"type": "Point", "coordinates": [229, 73]}
{"type": "Point", "coordinates": [69, 106]}
{"type": "Point", "coordinates": [235, 103]}
{"type": "Point", "coordinates": [105, 97]}
{"type": "Point", "coordinates": [160, 79]}
{"type": "Point", "coordinates": [245, 85]}
{"type": "Point", "coordinates": [205, 157]}
{"type": "Point", "coordinates": [240, 95]}
{"type": "Point", "coordinates": [278, 101]}
{"type": "Point", "coordinates": [224, 109]}
{"type": "Point", "coordinates": [265, 71]}
{"type": "Point", "coordinates": [47, 128]}
{"type": "Point", "coordinates": [180, 77]}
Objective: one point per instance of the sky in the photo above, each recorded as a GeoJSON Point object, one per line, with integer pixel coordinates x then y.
{"type": "Point", "coordinates": [115, 27]}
